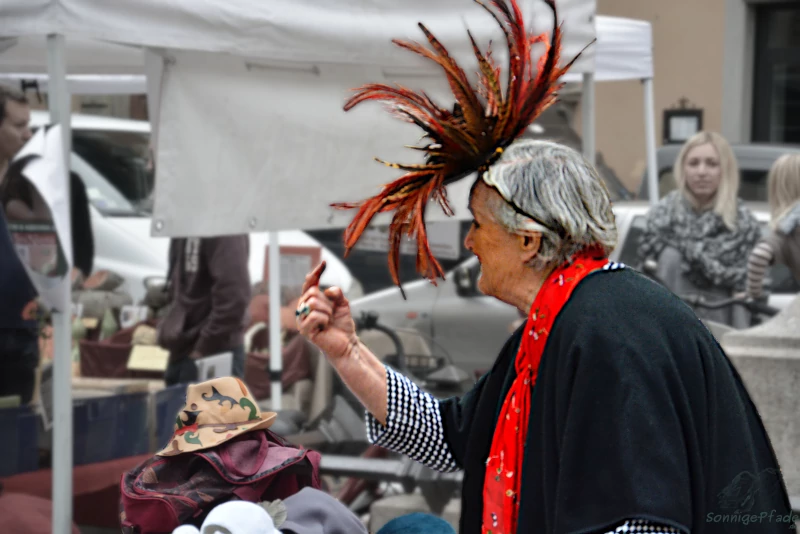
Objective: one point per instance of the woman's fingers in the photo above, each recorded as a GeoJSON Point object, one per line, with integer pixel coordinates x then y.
{"type": "Point", "coordinates": [314, 322]}
{"type": "Point", "coordinates": [335, 294]}
{"type": "Point", "coordinates": [312, 278]}
{"type": "Point", "coordinates": [320, 304]}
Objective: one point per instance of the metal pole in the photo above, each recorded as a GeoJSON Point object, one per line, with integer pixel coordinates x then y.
{"type": "Point", "coordinates": [275, 348]}
{"type": "Point", "coordinates": [650, 140]}
{"type": "Point", "coordinates": [59, 103]}
{"type": "Point", "coordinates": [588, 117]}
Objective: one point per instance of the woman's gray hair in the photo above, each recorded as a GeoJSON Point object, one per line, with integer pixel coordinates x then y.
{"type": "Point", "coordinates": [564, 198]}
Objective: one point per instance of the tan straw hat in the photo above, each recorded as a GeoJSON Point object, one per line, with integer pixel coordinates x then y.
{"type": "Point", "coordinates": [215, 411]}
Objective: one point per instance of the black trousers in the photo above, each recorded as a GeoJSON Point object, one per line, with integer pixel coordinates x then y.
{"type": "Point", "coordinates": [19, 358]}
{"type": "Point", "coordinates": [184, 370]}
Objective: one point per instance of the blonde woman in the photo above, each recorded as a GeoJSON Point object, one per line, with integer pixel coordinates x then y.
{"type": "Point", "coordinates": [782, 245]}
{"type": "Point", "coordinates": [701, 233]}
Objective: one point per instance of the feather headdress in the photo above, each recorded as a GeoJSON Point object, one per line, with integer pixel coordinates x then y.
{"type": "Point", "coordinates": [483, 122]}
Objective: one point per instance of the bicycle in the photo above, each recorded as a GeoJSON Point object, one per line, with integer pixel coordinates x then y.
{"type": "Point", "coordinates": [758, 308]}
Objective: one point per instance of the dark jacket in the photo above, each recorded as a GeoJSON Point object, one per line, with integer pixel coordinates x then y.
{"type": "Point", "coordinates": [16, 288]}
{"type": "Point", "coordinates": [637, 413]}
{"type": "Point", "coordinates": [209, 288]}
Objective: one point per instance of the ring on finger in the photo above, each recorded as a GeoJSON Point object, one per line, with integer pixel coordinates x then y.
{"type": "Point", "coordinates": [303, 310]}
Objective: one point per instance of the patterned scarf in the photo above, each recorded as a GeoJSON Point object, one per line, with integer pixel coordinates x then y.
{"type": "Point", "coordinates": [504, 466]}
{"type": "Point", "coordinates": [714, 256]}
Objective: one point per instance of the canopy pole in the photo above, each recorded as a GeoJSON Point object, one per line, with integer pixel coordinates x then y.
{"type": "Point", "coordinates": [275, 346]}
{"type": "Point", "coordinates": [650, 140]}
{"type": "Point", "coordinates": [59, 104]}
{"type": "Point", "coordinates": [588, 117]}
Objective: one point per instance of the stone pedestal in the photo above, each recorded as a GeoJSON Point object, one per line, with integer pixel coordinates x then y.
{"type": "Point", "coordinates": [768, 360]}
{"type": "Point", "coordinates": [384, 510]}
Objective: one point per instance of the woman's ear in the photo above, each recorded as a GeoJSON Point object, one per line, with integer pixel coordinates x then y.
{"type": "Point", "coordinates": [529, 245]}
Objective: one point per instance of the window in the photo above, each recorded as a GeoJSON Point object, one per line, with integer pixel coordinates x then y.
{"type": "Point", "coordinates": [121, 183]}
{"type": "Point", "coordinates": [776, 105]}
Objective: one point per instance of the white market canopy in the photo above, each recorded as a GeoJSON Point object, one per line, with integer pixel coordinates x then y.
{"type": "Point", "coordinates": [246, 97]}
{"type": "Point", "coordinates": [217, 145]}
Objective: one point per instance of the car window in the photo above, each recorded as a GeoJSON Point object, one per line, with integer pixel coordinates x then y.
{"type": "Point", "coordinates": [780, 277]}
{"type": "Point", "coordinates": [113, 168]}
{"type": "Point", "coordinates": [120, 159]}
{"type": "Point", "coordinates": [104, 197]}
{"type": "Point", "coordinates": [629, 254]}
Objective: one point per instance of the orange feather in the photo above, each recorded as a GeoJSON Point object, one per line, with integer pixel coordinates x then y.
{"type": "Point", "coordinates": [471, 137]}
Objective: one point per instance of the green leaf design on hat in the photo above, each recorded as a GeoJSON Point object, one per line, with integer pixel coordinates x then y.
{"type": "Point", "coordinates": [192, 437]}
{"type": "Point", "coordinates": [246, 403]}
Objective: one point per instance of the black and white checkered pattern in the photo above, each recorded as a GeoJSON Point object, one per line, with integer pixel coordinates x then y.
{"type": "Point", "coordinates": [640, 526]}
{"type": "Point", "coordinates": [414, 428]}
{"type": "Point", "coordinates": [413, 425]}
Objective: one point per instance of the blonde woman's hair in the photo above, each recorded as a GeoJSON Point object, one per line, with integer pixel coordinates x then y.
{"type": "Point", "coordinates": [783, 184]}
{"type": "Point", "coordinates": [726, 199]}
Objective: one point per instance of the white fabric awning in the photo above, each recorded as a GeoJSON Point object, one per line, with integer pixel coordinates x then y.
{"type": "Point", "coordinates": [246, 96]}
{"type": "Point", "coordinates": [624, 50]}
{"type": "Point", "coordinates": [336, 31]}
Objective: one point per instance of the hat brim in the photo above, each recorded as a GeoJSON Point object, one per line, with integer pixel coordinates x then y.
{"type": "Point", "coordinates": [211, 436]}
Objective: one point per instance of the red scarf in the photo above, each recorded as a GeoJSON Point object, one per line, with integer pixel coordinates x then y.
{"type": "Point", "coordinates": [504, 465]}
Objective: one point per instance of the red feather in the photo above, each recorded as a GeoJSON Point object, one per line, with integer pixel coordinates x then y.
{"type": "Point", "coordinates": [471, 137]}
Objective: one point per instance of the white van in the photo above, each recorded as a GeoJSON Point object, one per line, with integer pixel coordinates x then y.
{"type": "Point", "coordinates": [110, 156]}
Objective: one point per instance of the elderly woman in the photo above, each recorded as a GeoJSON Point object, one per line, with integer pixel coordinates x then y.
{"type": "Point", "coordinates": [701, 234]}
{"type": "Point", "coordinates": [611, 409]}
{"type": "Point", "coordinates": [618, 406]}
{"type": "Point", "coordinates": [782, 244]}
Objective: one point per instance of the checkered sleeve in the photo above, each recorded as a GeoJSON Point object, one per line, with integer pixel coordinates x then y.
{"type": "Point", "coordinates": [641, 526]}
{"type": "Point", "coordinates": [413, 425]}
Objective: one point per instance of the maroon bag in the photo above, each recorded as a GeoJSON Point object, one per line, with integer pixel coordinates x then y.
{"type": "Point", "coordinates": [165, 492]}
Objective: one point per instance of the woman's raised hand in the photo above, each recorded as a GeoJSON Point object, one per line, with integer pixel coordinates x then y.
{"type": "Point", "coordinates": [323, 317]}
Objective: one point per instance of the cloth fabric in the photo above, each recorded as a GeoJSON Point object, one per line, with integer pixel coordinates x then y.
{"type": "Point", "coordinates": [621, 401]}
{"type": "Point", "coordinates": [216, 411]}
{"type": "Point", "coordinates": [209, 289]}
{"type": "Point", "coordinates": [713, 256]}
{"type": "Point", "coordinates": [234, 517]}
{"type": "Point", "coordinates": [312, 511]}
{"type": "Point", "coordinates": [17, 187]}
{"type": "Point", "coordinates": [503, 477]}
{"type": "Point", "coordinates": [782, 245]}
{"type": "Point", "coordinates": [163, 493]}
{"type": "Point", "coordinates": [109, 358]}
{"type": "Point", "coordinates": [670, 273]}
{"type": "Point", "coordinates": [238, 361]}
{"type": "Point", "coordinates": [82, 235]}
{"type": "Point", "coordinates": [95, 489]}
{"type": "Point", "coordinates": [417, 523]}
{"type": "Point", "coordinates": [16, 289]}
{"type": "Point", "coordinates": [182, 371]}
{"type": "Point", "coordinates": [762, 256]}
{"type": "Point", "coordinates": [413, 426]}
{"type": "Point", "coordinates": [296, 366]}
{"type": "Point", "coordinates": [26, 514]}
{"type": "Point", "coordinates": [19, 358]}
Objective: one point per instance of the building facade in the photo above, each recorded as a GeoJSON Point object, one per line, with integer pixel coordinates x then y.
{"type": "Point", "coordinates": [736, 61]}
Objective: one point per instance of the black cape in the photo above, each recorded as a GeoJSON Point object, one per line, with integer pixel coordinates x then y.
{"type": "Point", "coordinates": [637, 413]}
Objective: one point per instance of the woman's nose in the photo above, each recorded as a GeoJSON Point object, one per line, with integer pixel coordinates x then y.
{"type": "Point", "coordinates": [468, 240]}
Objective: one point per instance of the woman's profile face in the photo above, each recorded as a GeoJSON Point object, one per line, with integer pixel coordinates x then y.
{"type": "Point", "coordinates": [496, 248]}
{"type": "Point", "coordinates": [703, 172]}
